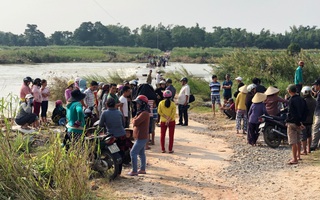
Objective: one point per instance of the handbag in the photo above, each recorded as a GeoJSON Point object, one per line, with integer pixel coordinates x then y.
{"type": "Point", "coordinates": [191, 98]}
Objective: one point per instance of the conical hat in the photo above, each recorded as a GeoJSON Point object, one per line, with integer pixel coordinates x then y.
{"type": "Point", "coordinates": [243, 89]}
{"type": "Point", "coordinates": [271, 90]}
{"type": "Point", "coordinates": [259, 97]}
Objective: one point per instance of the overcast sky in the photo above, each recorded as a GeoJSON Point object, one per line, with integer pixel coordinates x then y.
{"type": "Point", "coordinates": [67, 15]}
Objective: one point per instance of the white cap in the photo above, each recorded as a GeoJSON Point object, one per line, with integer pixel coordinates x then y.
{"type": "Point", "coordinates": [239, 78]}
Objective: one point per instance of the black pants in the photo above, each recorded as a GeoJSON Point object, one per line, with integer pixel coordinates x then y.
{"type": "Point", "coordinates": [253, 133]}
{"type": "Point", "coordinates": [230, 113]}
{"type": "Point", "coordinates": [183, 114]}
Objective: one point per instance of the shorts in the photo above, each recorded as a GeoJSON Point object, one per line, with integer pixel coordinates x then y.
{"type": "Point", "coordinates": [293, 133]}
{"type": "Point", "coordinates": [215, 99]}
{"type": "Point", "coordinates": [306, 133]}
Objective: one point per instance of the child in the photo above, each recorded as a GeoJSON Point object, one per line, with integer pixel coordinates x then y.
{"type": "Point", "coordinates": [127, 146]}
{"type": "Point", "coordinates": [45, 92]}
{"type": "Point", "coordinates": [215, 93]}
{"type": "Point", "coordinates": [241, 109]}
{"type": "Point", "coordinates": [257, 109]}
{"type": "Point", "coordinates": [153, 120]}
{"type": "Point", "coordinates": [59, 114]}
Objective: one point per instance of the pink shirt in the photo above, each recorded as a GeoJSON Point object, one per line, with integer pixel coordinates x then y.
{"type": "Point", "coordinates": [24, 91]}
{"type": "Point", "coordinates": [36, 94]}
{"type": "Point", "coordinates": [45, 94]}
{"type": "Point", "coordinates": [67, 94]}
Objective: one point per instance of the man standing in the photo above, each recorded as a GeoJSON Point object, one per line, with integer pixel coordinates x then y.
{"type": "Point", "coordinates": [226, 85]}
{"type": "Point", "coordinates": [158, 78]}
{"type": "Point", "coordinates": [89, 100]}
{"type": "Point", "coordinates": [171, 88]}
{"type": "Point", "coordinates": [149, 78]}
{"type": "Point", "coordinates": [124, 105]}
{"type": "Point", "coordinates": [240, 84]}
{"type": "Point", "coordinates": [112, 94]}
{"type": "Point", "coordinates": [298, 78]}
{"type": "Point", "coordinates": [294, 122]}
{"type": "Point", "coordinates": [183, 100]}
{"type": "Point", "coordinates": [215, 93]}
{"type": "Point", "coordinates": [316, 124]}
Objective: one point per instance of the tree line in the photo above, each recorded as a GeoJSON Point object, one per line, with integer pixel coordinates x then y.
{"type": "Point", "coordinates": [164, 37]}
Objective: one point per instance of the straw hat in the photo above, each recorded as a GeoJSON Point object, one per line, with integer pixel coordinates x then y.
{"type": "Point", "coordinates": [259, 97]}
{"type": "Point", "coordinates": [243, 89]}
{"type": "Point", "coordinates": [271, 90]}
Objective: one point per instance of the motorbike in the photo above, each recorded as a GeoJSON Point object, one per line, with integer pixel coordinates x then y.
{"type": "Point", "coordinates": [274, 128]}
{"type": "Point", "coordinates": [106, 158]}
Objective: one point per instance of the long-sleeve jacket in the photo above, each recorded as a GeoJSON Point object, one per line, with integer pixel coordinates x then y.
{"type": "Point", "coordinates": [165, 112]}
{"type": "Point", "coordinates": [295, 112]}
{"type": "Point", "coordinates": [141, 125]}
{"type": "Point", "coordinates": [241, 101]}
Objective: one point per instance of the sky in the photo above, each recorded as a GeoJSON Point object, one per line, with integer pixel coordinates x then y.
{"type": "Point", "coordinates": [67, 15]}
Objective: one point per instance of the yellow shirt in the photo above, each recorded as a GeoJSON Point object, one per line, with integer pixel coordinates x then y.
{"type": "Point", "coordinates": [165, 112]}
{"type": "Point", "coordinates": [241, 101]}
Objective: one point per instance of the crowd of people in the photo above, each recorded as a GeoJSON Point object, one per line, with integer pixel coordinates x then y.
{"type": "Point", "coordinates": [118, 107]}
{"type": "Point", "coordinates": [254, 100]}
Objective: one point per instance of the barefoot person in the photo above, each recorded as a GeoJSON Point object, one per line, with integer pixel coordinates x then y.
{"type": "Point", "coordinates": [167, 112]}
{"type": "Point", "coordinates": [25, 117]}
{"type": "Point", "coordinates": [215, 93]}
{"type": "Point", "coordinates": [294, 122]}
{"type": "Point", "coordinates": [140, 133]}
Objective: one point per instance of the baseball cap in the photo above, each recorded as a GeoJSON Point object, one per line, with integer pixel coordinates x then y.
{"type": "Point", "coordinates": [239, 78]}
{"type": "Point", "coordinates": [316, 82]}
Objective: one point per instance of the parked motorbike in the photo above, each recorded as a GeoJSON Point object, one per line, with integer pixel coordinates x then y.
{"type": "Point", "coordinates": [274, 129]}
{"type": "Point", "coordinates": [106, 158]}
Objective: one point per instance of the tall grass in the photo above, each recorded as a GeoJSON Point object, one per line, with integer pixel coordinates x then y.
{"type": "Point", "coordinates": [46, 172]}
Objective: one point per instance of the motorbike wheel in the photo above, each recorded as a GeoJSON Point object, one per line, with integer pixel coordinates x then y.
{"type": "Point", "coordinates": [112, 168]}
{"type": "Point", "coordinates": [270, 138]}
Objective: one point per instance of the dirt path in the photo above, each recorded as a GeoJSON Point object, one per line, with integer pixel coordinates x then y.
{"type": "Point", "coordinates": [194, 172]}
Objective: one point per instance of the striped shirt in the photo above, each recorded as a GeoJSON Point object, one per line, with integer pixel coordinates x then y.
{"type": "Point", "coordinates": [89, 99]}
{"type": "Point", "coordinates": [215, 88]}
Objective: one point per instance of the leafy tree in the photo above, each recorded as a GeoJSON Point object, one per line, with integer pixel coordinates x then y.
{"type": "Point", "coordinates": [33, 36]}
{"type": "Point", "coordinates": [293, 49]}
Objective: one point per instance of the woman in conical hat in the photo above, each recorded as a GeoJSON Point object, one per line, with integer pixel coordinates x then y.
{"type": "Point", "coordinates": [241, 109]}
{"type": "Point", "coordinates": [257, 109]}
{"type": "Point", "coordinates": [273, 100]}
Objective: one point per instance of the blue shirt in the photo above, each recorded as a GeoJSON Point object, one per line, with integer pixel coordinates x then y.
{"type": "Point", "coordinates": [256, 110]}
{"type": "Point", "coordinates": [227, 92]}
{"type": "Point", "coordinates": [112, 120]}
{"type": "Point", "coordinates": [215, 88]}
{"type": "Point", "coordinates": [298, 76]}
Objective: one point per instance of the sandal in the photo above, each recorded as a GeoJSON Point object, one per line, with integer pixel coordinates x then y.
{"type": "Point", "coordinates": [292, 162]}
{"type": "Point", "coordinates": [171, 151]}
{"type": "Point", "coordinates": [132, 173]}
{"type": "Point", "coordinates": [163, 151]}
{"type": "Point", "coordinates": [303, 153]}
{"type": "Point", "coordinates": [142, 172]}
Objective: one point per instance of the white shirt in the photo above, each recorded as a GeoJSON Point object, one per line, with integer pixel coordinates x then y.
{"type": "Point", "coordinates": [89, 99]}
{"type": "Point", "coordinates": [124, 102]}
{"type": "Point", "coordinates": [185, 91]}
{"type": "Point", "coordinates": [158, 78]}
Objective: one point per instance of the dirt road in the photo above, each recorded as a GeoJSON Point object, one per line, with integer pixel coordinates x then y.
{"type": "Point", "coordinates": [194, 171]}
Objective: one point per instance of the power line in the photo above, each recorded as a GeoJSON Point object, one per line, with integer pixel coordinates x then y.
{"type": "Point", "coordinates": [105, 11]}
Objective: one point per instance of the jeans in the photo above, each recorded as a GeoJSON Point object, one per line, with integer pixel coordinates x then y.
{"type": "Point", "coordinates": [138, 149]}
{"type": "Point", "coordinates": [163, 126]}
{"type": "Point", "coordinates": [183, 112]}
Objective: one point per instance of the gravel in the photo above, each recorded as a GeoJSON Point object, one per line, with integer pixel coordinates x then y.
{"type": "Point", "coordinates": [247, 162]}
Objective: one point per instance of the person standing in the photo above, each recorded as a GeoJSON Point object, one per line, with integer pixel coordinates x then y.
{"type": "Point", "coordinates": [227, 85]}
{"type": "Point", "coordinates": [298, 78]}
{"type": "Point", "coordinates": [257, 109]}
{"type": "Point", "coordinates": [149, 78]}
{"type": "Point", "coordinates": [215, 93]}
{"type": "Point", "coordinates": [140, 133]}
{"type": "Point", "coordinates": [171, 88]}
{"type": "Point", "coordinates": [316, 124]}
{"type": "Point", "coordinates": [183, 100]}
{"type": "Point", "coordinates": [158, 78]}
{"type": "Point", "coordinates": [45, 92]}
{"type": "Point", "coordinates": [306, 133]}
{"type": "Point", "coordinates": [89, 100]}
{"type": "Point", "coordinates": [25, 88]}
{"type": "Point", "coordinates": [241, 109]}
{"type": "Point", "coordinates": [69, 89]}
{"type": "Point", "coordinates": [37, 97]}
{"type": "Point", "coordinates": [124, 105]}
{"type": "Point", "coordinates": [240, 84]}
{"type": "Point", "coordinates": [294, 122]}
{"type": "Point", "coordinates": [75, 118]}
{"type": "Point", "coordinates": [251, 92]}
{"type": "Point", "coordinates": [167, 111]}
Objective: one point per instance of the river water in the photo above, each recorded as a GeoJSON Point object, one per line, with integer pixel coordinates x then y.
{"type": "Point", "coordinates": [12, 75]}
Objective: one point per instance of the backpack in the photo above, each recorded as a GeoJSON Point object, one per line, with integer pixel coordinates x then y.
{"type": "Point", "coordinates": [191, 98]}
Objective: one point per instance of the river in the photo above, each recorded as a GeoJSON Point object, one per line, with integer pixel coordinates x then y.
{"type": "Point", "coordinates": [12, 75]}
